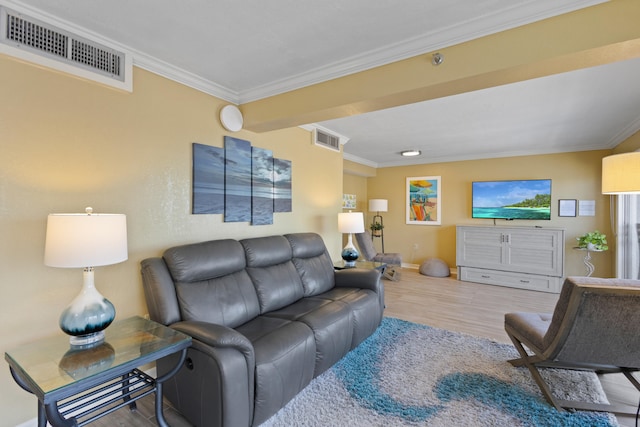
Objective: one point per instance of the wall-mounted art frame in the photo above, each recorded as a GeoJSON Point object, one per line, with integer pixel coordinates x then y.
{"type": "Point", "coordinates": [348, 201]}
{"type": "Point", "coordinates": [423, 202]}
{"type": "Point", "coordinates": [567, 207]}
{"type": "Point", "coordinates": [208, 179]}
{"type": "Point", "coordinates": [282, 192]}
{"type": "Point", "coordinates": [245, 183]}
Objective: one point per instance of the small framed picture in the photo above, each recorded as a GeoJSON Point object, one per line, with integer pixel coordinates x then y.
{"type": "Point", "coordinates": [567, 207]}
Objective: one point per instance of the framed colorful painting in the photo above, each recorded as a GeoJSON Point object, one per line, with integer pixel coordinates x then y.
{"type": "Point", "coordinates": [424, 196]}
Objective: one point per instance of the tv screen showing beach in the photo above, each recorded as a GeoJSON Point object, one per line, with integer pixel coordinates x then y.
{"type": "Point", "coordinates": [525, 199]}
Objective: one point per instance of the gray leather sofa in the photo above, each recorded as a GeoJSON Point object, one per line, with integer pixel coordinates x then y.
{"type": "Point", "coordinates": [266, 314]}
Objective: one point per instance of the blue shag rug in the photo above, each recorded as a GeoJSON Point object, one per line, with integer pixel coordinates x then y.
{"type": "Point", "coordinates": [408, 374]}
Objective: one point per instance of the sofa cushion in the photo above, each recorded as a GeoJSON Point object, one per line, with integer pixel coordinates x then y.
{"type": "Point", "coordinates": [205, 260]}
{"type": "Point", "coordinates": [331, 323]}
{"type": "Point", "coordinates": [211, 282]}
{"type": "Point", "coordinates": [285, 360]}
{"type": "Point", "coordinates": [366, 310]}
{"type": "Point", "coordinates": [230, 300]}
{"type": "Point", "coordinates": [313, 263]}
{"type": "Point", "coordinates": [272, 272]}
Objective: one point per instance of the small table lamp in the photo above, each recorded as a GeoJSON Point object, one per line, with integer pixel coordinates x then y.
{"type": "Point", "coordinates": [86, 241]}
{"type": "Point", "coordinates": [350, 222]}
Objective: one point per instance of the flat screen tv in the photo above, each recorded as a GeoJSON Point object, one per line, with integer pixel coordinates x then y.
{"type": "Point", "coordinates": [523, 199]}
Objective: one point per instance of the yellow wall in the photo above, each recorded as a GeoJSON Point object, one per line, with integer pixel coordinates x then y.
{"type": "Point", "coordinates": [574, 176]}
{"type": "Point", "coordinates": [67, 144]}
{"type": "Point", "coordinates": [630, 144]}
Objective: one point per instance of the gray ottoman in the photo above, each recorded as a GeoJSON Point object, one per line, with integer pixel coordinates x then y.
{"type": "Point", "coordinates": [434, 267]}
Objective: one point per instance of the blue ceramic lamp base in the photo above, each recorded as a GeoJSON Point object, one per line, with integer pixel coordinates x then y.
{"type": "Point", "coordinates": [88, 315]}
{"type": "Point", "coordinates": [349, 253]}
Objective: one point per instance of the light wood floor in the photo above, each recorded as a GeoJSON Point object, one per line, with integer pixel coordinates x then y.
{"type": "Point", "coordinates": [441, 302]}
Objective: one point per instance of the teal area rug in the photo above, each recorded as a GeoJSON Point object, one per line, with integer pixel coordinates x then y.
{"type": "Point", "coordinates": [414, 375]}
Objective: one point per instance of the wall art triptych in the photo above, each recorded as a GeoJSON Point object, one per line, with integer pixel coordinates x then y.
{"type": "Point", "coordinates": [245, 183]}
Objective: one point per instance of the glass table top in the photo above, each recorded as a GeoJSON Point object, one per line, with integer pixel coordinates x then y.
{"type": "Point", "coordinates": [51, 363]}
{"type": "Point", "coordinates": [360, 264]}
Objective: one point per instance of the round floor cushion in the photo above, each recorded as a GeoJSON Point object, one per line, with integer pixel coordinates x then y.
{"type": "Point", "coordinates": [435, 267]}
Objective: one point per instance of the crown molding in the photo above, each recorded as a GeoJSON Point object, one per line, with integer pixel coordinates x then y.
{"type": "Point", "coordinates": [532, 11]}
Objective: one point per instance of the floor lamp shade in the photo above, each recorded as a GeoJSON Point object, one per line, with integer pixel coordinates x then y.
{"type": "Point", "coordinates": [350, 222]}
{"type": "Point", "coordinates": [86, 241]}
{"type": "Point", "coordinates": [621, 174]}
{"type": "Point", "coordinates": [378, 205]}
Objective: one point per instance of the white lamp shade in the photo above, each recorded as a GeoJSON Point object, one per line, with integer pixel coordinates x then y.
{"type": "Point", "coordinates": [378, 205]}
{"type": "Point", "coordinates": [621, 174]}
{"type": "Point", "coordinates": [351, 222]}
{"type": "Point", "coordinates": [85, 240]}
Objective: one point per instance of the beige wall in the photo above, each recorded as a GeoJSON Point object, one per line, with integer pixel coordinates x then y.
{"type": "Point", "coordinates": [67, 144]}
{"type": "Point", "coordinates": [574, 176]}
{"type": "Point", "coordinates": [630, 144]}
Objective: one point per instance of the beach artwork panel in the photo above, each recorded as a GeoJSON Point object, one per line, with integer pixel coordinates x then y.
{"type": "Point", "coordinates": [237, 180]}
{"type": "Point", "coordinates": [423, 200]}
{"type": "Point", "coordinates": [261, 186]}
{"type": "Point", "coordinates": [208, 179]}
{"type": "Point", "coordinates": [281, 185]}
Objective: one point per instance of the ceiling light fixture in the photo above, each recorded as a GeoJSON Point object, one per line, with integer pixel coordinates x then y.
{"type": "Point", "coordinates": [410, 153]}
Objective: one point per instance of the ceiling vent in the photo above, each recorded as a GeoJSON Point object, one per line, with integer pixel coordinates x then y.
{"type": "Point", "coordinates": [44, 44]}
{"type": "Point", "coordinates": [327, 140]}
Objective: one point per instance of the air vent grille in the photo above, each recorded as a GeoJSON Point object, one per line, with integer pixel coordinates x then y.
{"type": "Point", "coordinates": [36, 36]}
{"type": "Point", "coordinates": [327, 140]}
{"type": "Point", "coordinates": [95, 57]}
{"type": "Point", "coordinates": [31, 39]}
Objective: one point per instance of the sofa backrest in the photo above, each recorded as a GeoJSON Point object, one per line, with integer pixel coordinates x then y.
{"type": "Point", "coordinates": [313, 263]}
{"type": "Point", "coordinates": [211, 282]}
{"type": "Point", "coordinates": [272, 272]}
{"type": "Point", "coordinates": [229, 282]}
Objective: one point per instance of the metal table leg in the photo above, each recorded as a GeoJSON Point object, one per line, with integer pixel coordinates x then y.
{"type": "Point", "coordinates": [159, 413]}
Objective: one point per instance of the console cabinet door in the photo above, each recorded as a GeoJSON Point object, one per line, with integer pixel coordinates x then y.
{"type": "Point", "coordinates": [480, 247]}
{"type": "Point", "coordinates": [537, 251]}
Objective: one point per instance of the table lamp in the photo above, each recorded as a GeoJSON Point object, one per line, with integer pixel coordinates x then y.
{"type": "Point", "coordinates": [350, 222]}
{"type": "Point", "coordinates": [86, 241]}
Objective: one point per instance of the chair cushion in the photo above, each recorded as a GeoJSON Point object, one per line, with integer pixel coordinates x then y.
{"type": "Point", "coordinates": [530, 327]}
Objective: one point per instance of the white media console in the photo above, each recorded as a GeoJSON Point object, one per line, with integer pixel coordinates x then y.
{"type": "Point", "coordinates": [517, 257]}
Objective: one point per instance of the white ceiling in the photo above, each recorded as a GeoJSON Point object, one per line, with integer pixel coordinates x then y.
{"type": "Point", "coordinates": [243, 50]}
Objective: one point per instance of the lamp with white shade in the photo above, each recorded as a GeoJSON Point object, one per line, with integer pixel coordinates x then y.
{"type": "Point", "coordinates": [86, 241]}
{"type": "Point", "coordinates": [350, 222]}
{"type": "Point", "coordinates": [377, 206]}
{"type": "Point", "coordinates": [621, 173]}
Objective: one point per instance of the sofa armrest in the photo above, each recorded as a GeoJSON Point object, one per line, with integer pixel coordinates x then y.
{"type": "Point", "coordinates": [216, 336]}
{"type": "Point", "coordinates": [359, 278]}
{"type": "Point", "coordinates": [218, 386]}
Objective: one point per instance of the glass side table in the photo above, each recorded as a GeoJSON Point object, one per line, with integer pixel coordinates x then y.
{"type": "Point", "coordinates": [371, 265]}
{"type": "Point", "coordinates": [76, 385]}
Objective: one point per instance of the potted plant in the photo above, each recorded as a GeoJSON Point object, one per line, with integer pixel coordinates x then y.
{"type": "Point", "coordinates": [376, 229]}
{"type": "Point", "coordinates": [593, 241]}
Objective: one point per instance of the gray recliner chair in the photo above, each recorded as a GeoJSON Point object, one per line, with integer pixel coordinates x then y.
{"type": "Point", "coordinates": [368, 251]}
{"type": "Point", "coordinates": [594, 327]}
